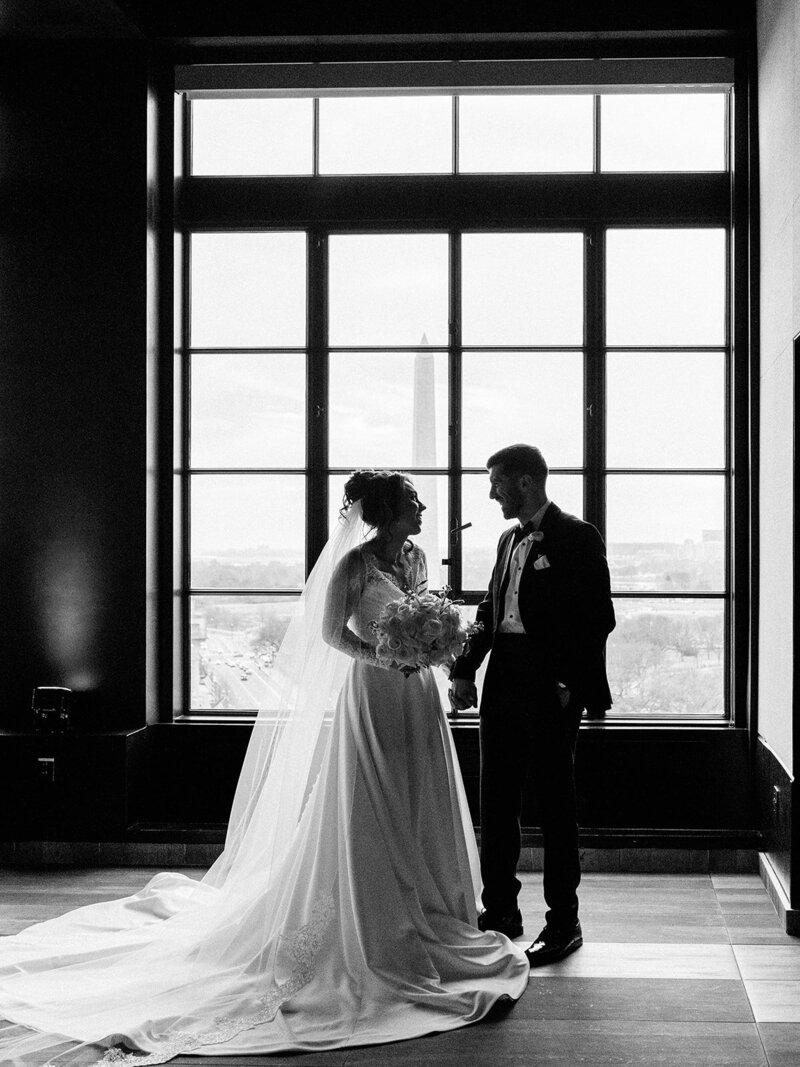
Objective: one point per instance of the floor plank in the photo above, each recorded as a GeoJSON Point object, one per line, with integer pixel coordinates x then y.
{"type": "Point", "coordinates": [774, 1001]}
{"type": "Point", "coordinates": [596, 929]}
{"type": "Point", "coordinates": [781, 1042]}
{"type": "Point", "coordinates": [780, 962]}
{"type": "Point", "coordinates": [724, 881]}
{"type": "Point", "coordinates": [644, 961]}
{"type": "Point", "coordinates": [755, 934]}
{"type": "Point", "coordinates": [335, 1058]}
{"type": "Point", "coordinates": [548, 1043]}
{"type": "Point", "coordinates": [678, 970]}
{"type": "Point", "coordinates": [659, 999]}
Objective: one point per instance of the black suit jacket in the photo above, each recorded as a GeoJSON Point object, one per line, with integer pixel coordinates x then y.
{"type": "Point", "coordinates": [565, 607]}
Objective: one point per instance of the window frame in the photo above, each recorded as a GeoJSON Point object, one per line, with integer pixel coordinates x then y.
{"type": "Point", "coordinates": [591, 203]}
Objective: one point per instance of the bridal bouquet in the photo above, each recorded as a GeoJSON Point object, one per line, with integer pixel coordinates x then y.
{"type": "Point", "coordinates": [422, 630]}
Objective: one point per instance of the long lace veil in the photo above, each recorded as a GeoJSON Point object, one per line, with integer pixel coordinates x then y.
{"type": "Point", "coordinates": [185, 964]}
{"type": "Point", "coordinates": [285, 748]}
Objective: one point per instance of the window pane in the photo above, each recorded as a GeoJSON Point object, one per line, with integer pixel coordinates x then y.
{"type": "Point", "coordinates": [388, 409]}
{"type": "Point", "coordinates": [388, 289]}
{"type": "Point", "coordinates": [433, 540]}
{"type": "Point", "coordinates": [662, 131]}
{"type": "Point", "coordinates": [248, 531]}
{"type": "Point", "coordinates": [248, 290]}
{"type": "Point", "coordinates": [667, 657]}
{"type": "Point", "coordinates": [479, 543]}
{"type": "Point", "coordinates": [248, 410]}
{"type": "Point", "coordinates": [525, 133]}
{"type": "Point", "coordinates": [233, 641]}
{"type": "Point", "coordinates": [252, 136]}
{"type": "Point", "coordinates": [666, 532]}
{"type": "Point", "coordinates": [386, 135]}
{"type": "Point", "coordinates": [522, 289]}
{"type": "Point", "coordinates": [666, 409]}
{"type": "Point", "coordinates": [665, 287]}
{"type": "Point", "coordinates": [523, 396]}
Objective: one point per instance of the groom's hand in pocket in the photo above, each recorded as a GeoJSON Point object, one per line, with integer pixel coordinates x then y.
{"type": "Point", "coordinates": [462, 694]}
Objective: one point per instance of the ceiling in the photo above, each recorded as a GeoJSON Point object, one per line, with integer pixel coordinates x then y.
{"type": "Point", "coordinates": [251, 21]}
{"type": "Point", "coordinates": [67, 19]}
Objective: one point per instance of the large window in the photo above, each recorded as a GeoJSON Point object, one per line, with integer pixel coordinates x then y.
{"type": "Point", "coordinates": [412, 281]}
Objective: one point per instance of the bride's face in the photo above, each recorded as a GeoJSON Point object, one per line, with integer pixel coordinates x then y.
{"type": "Point", "coordinates": [408, 519]}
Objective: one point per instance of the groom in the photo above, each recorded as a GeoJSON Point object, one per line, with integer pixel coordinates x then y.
{"type": "Point", "coordinates": [545, 618]}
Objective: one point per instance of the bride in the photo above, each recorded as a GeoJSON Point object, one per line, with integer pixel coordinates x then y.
{"type": "Point", "coordinates": [342, 911]}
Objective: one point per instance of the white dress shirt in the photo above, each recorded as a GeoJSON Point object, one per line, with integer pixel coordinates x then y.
{"type": "Point", "coordinates": [511, 622]}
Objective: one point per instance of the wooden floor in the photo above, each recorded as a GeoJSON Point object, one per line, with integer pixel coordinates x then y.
{"type": "Point", "coordinates": [676, 970]}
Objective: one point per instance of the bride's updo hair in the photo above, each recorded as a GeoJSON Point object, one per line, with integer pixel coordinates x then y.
{"type": "Point", "coordinates": [381, 494]}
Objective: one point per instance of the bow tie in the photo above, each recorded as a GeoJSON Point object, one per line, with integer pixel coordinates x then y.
{"type": "Point", "coordinates": [521, 532]}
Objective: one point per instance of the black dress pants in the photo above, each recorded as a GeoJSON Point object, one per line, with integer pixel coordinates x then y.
{"type": "Point", "coordinates": [527, 736]}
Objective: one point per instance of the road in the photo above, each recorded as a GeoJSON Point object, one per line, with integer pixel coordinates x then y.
{"type": "Point", "coordinates": [258, 690]}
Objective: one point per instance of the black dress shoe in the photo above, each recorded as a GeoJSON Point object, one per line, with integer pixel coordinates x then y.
{"type": "Point", "coordinates": [510, 925]}
{"type": "Point", "coordinates": [553, 944]}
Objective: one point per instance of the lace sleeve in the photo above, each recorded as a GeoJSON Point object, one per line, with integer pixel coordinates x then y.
{"type": "Point", "coordinates": [344, 592]}
{"type": "Point", "coordinates": [420, 572]}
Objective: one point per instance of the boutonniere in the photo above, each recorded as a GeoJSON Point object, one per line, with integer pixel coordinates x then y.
{"type": "Point", "coordinates": [537, 535]}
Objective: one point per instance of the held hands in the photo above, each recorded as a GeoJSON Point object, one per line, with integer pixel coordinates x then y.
{"type": "Point", "coordinates": [462, 695]}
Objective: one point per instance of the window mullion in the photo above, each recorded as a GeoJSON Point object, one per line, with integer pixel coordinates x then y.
{"type": "Point", "coordinates": [317, 400]}
{"type": "Point", "coordinates": [182, 460]}
{"type": "Point", "coordinates": [594, 381]}
{"type": "Point", "coordinates": [743, 416]}
{"type": "Point", "coordinates": [454, 553]}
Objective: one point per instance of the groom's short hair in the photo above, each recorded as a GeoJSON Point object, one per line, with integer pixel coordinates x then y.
{"type": "Point", "coordinates": [520, 459]}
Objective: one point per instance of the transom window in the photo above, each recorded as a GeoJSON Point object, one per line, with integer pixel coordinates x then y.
{"type": "Point", "coordinates": [494, 133]}
{"type": "Point", "coordinates": [413, 281]}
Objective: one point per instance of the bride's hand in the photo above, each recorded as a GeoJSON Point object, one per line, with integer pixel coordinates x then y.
{"type": "Point", "coordinates": [462, 695]}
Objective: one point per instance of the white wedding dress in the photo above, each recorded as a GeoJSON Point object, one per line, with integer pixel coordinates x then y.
{"type": "Point", "coordinates": [358, 928]}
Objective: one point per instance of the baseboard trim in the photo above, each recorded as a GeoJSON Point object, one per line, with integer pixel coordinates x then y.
{"type": "Point", "coordinates": [169, 855]}
{"type": "Point", "coordinates": [665, 839]}
{"type": "Point", "coordinates": [790, 917]}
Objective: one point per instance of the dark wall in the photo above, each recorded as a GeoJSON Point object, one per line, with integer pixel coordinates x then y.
{"type": "Point", "coordinates": [677, 785]}
{"type": "Point", "coordinates": [776, 789]}
{"type": "Point", "coordinates": [72, 376]}
{"type": "Point", "coordinates": [636, 788]}
{"type": "Point", "coordinates": [195, 20]}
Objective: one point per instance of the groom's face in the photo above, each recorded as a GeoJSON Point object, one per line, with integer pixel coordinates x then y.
{"type": "Point", "coordinates": [506, 490]}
